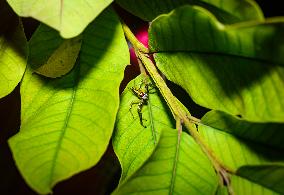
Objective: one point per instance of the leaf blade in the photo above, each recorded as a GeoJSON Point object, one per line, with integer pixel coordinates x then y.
{"type": "Point", "coordinates": [133, 144]}
{"type": "Point", "coordinates": [202, 63]}
{"type": "Point", "coordinates": [270, 176]}
{"type": "Point", "coordinates": [70, 18]}
{"type": "Point", "coordinates": [50, 55]}
{"type": "Point", "coordinates": [157, 175]}
{"type": "Point", "coordinates": [13, 50]}
{"type": "Point", "coordinates": [67, 122]}
{"type": "Point", "coordinates": [229, 11]}
{"type": "Point", "coordinates": [245, 154]}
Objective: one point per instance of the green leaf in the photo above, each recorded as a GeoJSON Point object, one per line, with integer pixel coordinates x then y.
{"type": "Point", "coordinates": [13, 50]}
{"type": "Point", "coordinates": [132, 143]}
{"type": "Point", "coordinates": [240, 153]}
{"type": "Point", "coordinates": [70, 18]}
{"type": "Point", "coordinates": [236, 152]}
{"type": "Point", "coordinates": [269, 134]}
{"type": "Point", "coordinates": [178, 166]}
{"type": "Point", "coordinates": [67, 122]}
{"type": "Point", "coordinates": [270, 176]}
{"type": "Point", "coordinates": [243, 186]}
{"type": "Point", "coordinates": [236, 68]}
{"type": "Point", "coordinates": [13, 58]}
{"type": "Point", "coordinates": [50, 55]}
{"type": "Point", "coordinates": [228, 11]}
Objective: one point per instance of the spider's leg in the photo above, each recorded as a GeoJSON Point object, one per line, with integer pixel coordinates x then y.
{"type": "Point", "coordinates": [150, 87]}
{"type": "Point", "coordinates": [131, 104]}
{"type": "Point", "coordinates": [141, 83]}
{"type": "Point", "coordinates": [139, 110]}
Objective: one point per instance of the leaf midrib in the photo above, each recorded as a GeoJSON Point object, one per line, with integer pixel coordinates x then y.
{"type": "Point", "coordinates": [65, 125]}
{"type": "Point", "coordinates": [175, 163]}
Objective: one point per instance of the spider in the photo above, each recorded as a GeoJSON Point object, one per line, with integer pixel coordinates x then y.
{"type": "Point", "coordinates": [143, 96]}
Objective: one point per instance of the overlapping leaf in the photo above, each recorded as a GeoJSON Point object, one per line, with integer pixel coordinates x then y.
{"type": "Point", "coordinates": [244, 186]}
{"type": "Point", "coordinates": [228, 11]}
{"type": "Point", "coordinates": [269, 175]}
{"type": "Point", "coordinates": [237, 152]}
{"type": "Point", "coordinates": [50, 55]}
{"type": "Point", "coordinates": [178, 166]}
{"type": "Point", "coordinates": [70, 18]}
{"type": "Point", "coordinates": [133, 144]}
{"type": "Point", "coordinates": [269, 134]}
{"type": "Point", "coordinates": [234, 68]}
{"type": "Point", "coordinates": [67, 122]}
{"type": "Point", "coordinates": [13, 50]}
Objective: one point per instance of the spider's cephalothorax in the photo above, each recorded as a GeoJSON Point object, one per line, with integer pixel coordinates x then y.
{"type": "Point", "coordinates": [143, 97]}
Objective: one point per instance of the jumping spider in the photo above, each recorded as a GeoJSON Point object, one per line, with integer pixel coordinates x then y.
{"type": "Point", "coordinates": [143, 96]}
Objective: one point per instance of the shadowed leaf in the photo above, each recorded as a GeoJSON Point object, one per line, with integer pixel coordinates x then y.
{"type": "Point", "coordinates": [50, 55]}
{"type": "Point", "coordinates": [228, 11]}
{"type": "Point", "coordinates": [247, 153]}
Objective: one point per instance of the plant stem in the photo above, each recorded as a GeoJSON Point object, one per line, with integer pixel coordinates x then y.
{"type": "Point", "coordinates": [180, 113]}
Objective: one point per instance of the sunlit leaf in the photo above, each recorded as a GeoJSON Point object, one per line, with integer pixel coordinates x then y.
{"type": "Point", "coordinates": [245, 152]}
{"type": "Point", "coordinates": [13, 61]}
{"type": "Point", "coordinates": [133, 144]}
{"type": "Point", "coordinates": [178, 166]}
{"type": "Point", "coordinates": [238, 69]}
{"type": "Point", "coordinates": [66, 123]}
{"type": "Point", "coordinates": [70, 18]}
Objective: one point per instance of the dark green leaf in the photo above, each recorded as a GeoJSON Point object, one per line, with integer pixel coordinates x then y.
{"type": "Point", "coordinates": [270, 134]}
{"type": "Point", "coordinates": [270, 176]}
{"type": "Point", "coordinates": [228, 11]}
{"type": "Point", "coordinates": [244, 186]}
{"type": "Point", "coordinates": [50, 55]}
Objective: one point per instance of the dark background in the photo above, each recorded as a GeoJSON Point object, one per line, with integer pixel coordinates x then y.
{"type": "Point", "coordinates": [107, 172]}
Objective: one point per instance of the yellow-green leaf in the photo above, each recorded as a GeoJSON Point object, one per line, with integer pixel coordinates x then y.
{"type": "Point", "coordinates": [70, 18]}
{"type": "Point", "coordinates": [67, 122]}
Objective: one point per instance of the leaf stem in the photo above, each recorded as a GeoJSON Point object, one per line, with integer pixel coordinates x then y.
{"type": "Point", "coordinates": [180, 113]}
{"type": "Point", "coordinates": [141, 67]}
